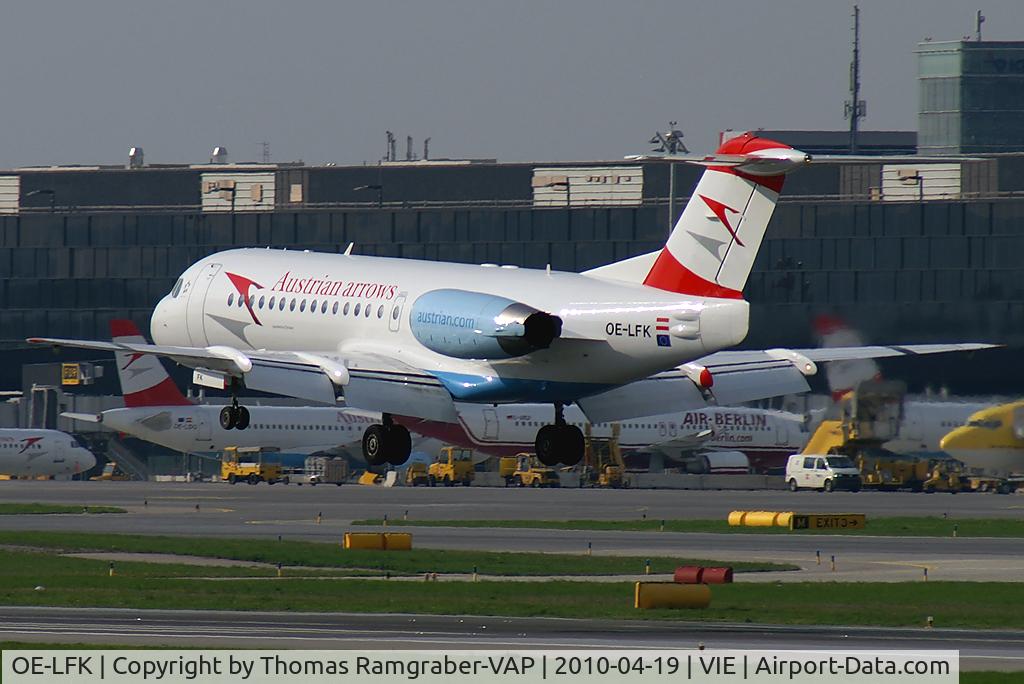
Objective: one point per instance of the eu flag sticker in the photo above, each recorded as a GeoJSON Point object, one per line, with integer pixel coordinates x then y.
{"type": "Point", "coordinates": [664, 341]}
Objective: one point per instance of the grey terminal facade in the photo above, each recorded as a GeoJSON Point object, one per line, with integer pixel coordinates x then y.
{"type": "Point", "coordinates": [905, 253]}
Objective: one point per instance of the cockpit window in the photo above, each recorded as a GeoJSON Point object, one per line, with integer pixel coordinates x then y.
{"type": "Point", "coordinates": [177, 288]}
{"type": "Point", "coordinates": [987, 424]}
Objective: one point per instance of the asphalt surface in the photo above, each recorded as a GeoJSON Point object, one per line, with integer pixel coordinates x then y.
{"type": "Point", "coordinates": [979, 650]}
{"type": "Point", "coordinates": [262, 512]}
{"type": "Point", "coordinates": [352, 501]}
{"type": "Point", "coordinates": [290, 512]}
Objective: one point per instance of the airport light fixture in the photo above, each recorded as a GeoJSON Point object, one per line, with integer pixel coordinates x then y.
{"type": "Point", "coordinates": [380, 192]}
{"type": "Point", "coordinates": [44, 191]}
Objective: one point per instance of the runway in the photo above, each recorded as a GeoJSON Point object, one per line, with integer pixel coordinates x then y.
{"type": "Point", "coordinates": [291, 512]}
{"type": "Point", "coordinates": [353, 501]}
{"type": "Point", "coordinates": [979, 650]}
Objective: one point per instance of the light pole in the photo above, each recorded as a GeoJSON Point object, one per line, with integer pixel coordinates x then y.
{"type": "Point", "coordinates": [380, 192]}
{"type": "Point", "coordinates": [44, 191]}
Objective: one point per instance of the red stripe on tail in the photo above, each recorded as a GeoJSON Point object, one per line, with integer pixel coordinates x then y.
{"type": "Point", "coordinates": [670, 275]}
{"type": "Point", "coordinates": [164, 393]}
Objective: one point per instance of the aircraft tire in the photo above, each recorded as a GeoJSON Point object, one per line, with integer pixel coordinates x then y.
{"type": "Point", "coordinates": [242, 422]}
{"type": "Point", "coordinates": [228, 417]}
{"type": "Point", "coordinates": [571, 445]}
{"type": "Point", "coordinates": [546, 445]}
{"type": "Point", "coordinates": [398, 445]}
{"type": "Point", "coordinates": [374, 445]}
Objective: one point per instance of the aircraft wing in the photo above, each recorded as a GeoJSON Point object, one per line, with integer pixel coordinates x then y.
{"type": "Point", "coordinates": [738, 377]}
{"type": "Point", "coordinates": [369, 381]}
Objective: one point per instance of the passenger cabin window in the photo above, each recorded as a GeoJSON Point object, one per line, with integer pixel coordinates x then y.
{"type": "Point", "coordinates": [345, 310]}
{"type": "Point", "coordinates": [334, 309]}
{"type": "Point", "coordinates": [292, 306]}
{"type": "Point", "coordinates": [323, 307]}
{"type": "Point", "coordinates": [380, 311]}
{"type": "Point", "coordinates": [356, 311]}
{"type": "Point", "coordinates": [231, 299]}
{"type": "Point", "coordinates": [302, 306]}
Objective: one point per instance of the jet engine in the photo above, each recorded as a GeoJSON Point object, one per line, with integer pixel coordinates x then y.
{"type": "Point", "coordinates": [473, 325]}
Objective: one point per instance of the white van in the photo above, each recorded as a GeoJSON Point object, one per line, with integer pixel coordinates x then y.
{"type": "Point", "coordinates": [826, 473]}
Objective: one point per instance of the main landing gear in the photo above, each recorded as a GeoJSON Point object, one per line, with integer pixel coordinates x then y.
{"type": "Point", "coordinates": [387, 443]}
{"type": "Point", "coordinates": [560, 443]}
{"type": "Point", "coordinates": [234, 416]}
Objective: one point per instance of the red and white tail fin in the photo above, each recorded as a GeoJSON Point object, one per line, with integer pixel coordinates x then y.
{"type": "Point", "coordinates": [844, 376]}
{"type": "Point", "coordinates": [144, 381]}
{"type": "Point", "coordinates": [712, 248]}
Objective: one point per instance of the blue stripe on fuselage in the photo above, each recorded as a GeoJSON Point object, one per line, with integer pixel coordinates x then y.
{"type": "Point", "coordinates": [485, 389]}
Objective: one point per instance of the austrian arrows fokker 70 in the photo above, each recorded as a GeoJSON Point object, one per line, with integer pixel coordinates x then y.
{"type": "Point", "coordinates": [406, 337]}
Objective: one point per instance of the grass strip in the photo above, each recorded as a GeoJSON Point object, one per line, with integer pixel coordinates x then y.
{"type": "Point", "coordinates": [884, 527]}
{"type": "Point", "coordinates": [50, 509]}
{"type": "Point", "coordinates": [83, 583]}
{"type": "Point", "coordinates": [326, 555]}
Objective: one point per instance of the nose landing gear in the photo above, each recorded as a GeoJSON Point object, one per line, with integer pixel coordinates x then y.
{"type": "Point", "coordinates": [560, 443]}
{"type": "Point", "coordinates": [388, 442]}
{"type": "Point", "coordinates": [234, 416]}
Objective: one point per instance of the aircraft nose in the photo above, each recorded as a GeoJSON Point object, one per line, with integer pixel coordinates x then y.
{"type": "Point", "coordinates": [86, 461]}
{"type": "Point", "coordinates": [957, 438]}
{"type": "Point", "coordinates": [161, 323]}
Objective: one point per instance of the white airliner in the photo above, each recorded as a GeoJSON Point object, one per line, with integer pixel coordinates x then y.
{"type": "Point", "coordinates": [156, 411]}
{"type": "Point", "coordinates": [766, 438]}
{"type": "Point", "coordinates": [409, 337]}
{"type": "Point", "coordinates": [46, 453]}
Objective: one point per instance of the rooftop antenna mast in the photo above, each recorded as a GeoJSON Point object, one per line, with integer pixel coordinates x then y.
{"type": "Point", "coordinates": [979, 19]}
{"type": "Point", "coordinates": [265, 152]}
{"type": "Point", "coordinates": [855, 108]}
{"type": "Point", "coordinates": [389, 153]}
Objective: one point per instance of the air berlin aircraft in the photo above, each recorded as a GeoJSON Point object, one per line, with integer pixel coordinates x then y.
{"type": "Point", "coordinates": [408, 337]}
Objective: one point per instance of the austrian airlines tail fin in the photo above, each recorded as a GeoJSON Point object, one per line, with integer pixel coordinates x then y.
{"type": "Point", "coordinates": [712, 248]}
{"type": "Point", "coordinates": [144, 382]}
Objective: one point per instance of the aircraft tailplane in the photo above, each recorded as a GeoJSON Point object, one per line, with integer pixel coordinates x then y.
{"type": "Point", "coordinates": [144, 381]}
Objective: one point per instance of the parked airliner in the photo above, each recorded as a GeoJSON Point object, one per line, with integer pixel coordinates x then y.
{"type": "Point", "coordinates": [691, 438]}
{"type": "Point", "coordinates": [42, 453]}
{"type": "Point", "coordinates": [410, 337]}
{"type": "Point", "coordinates": [990, 441]}
{"type": "Point", "coordinates": [156, 411]}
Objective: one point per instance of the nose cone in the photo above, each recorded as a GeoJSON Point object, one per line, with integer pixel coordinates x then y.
{"type": "Point", "coordinates": [161, 323]}
{"type": "Point", "coordinates": [965, 437]}
{"type": "Point", "coordinates": [84, 460]}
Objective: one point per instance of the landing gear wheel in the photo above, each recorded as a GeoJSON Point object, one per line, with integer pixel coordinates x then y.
{"type": "Point", "coordinates": [243, 418]}
{"type": "Point", "coordinates": [374, 441]}
{"type": "Point", "coordinates": [546, 445]}
{"type": "Point", "coordinates": [388, 443]}
{"type": "Point", "coordinates": [557, 444]}
{"type": "Point", "coordinates": [399, 445]}
{"type": "Point", "coordinates": [228, 417]}
{"type": "Point", "coordinates": [572, 445]}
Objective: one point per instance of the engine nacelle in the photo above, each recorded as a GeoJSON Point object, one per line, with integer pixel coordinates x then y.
{"type": "Point", "coordinates": [473, 325]}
